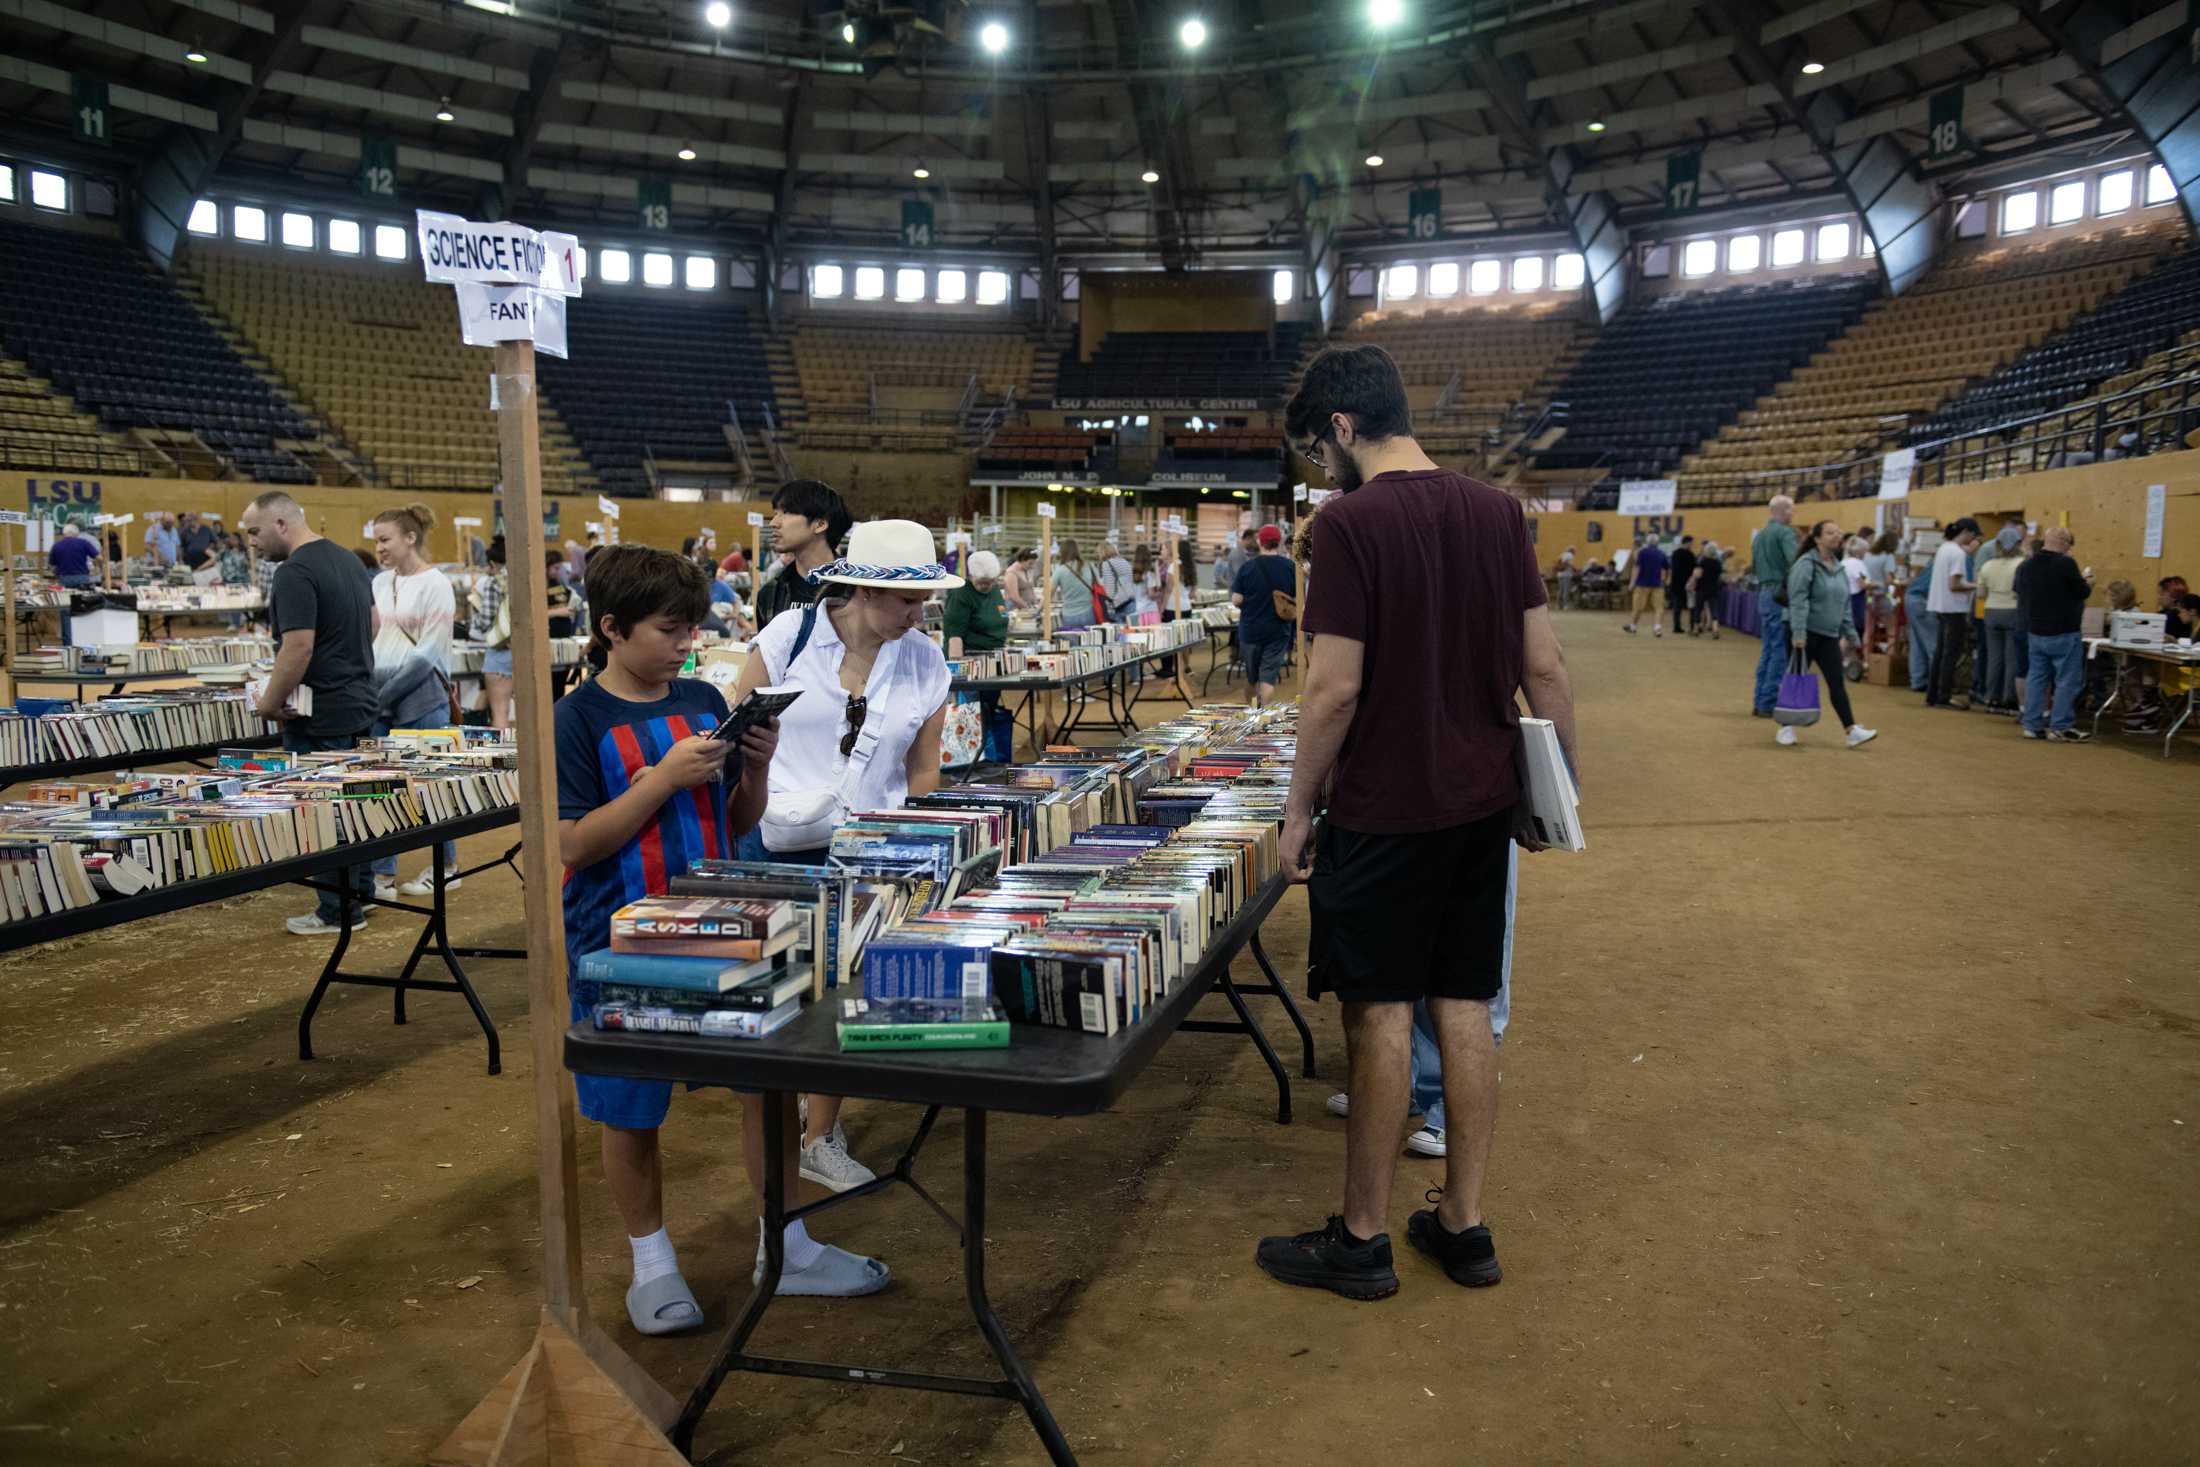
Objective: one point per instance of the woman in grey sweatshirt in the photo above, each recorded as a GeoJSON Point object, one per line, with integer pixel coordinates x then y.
{"type": "Point", "coordinates": [1820, 623]}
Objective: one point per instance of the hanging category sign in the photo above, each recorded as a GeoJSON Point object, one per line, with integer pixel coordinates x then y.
{"type": "Point", "coordinates": [655, 197]}
{"type": "Point", "coordinates": [377, 175]}
{"type": "Point", "coordinates": [1647, 496]}
{"type": "Point", "coordinates": [916, 225]}
{"type": "Point", "coordinates": [1894, 473]}
{"type": "Point", "coordinates": [488, 314]}
{"type": "Point", "coordinates": [1683, 171]}
{"type": "Point", "coordinates": [456, 251]}
{"type": "Point", "coordinates": [1944, 126]}
{"type": "Point", "coordinates": [1425, 213]}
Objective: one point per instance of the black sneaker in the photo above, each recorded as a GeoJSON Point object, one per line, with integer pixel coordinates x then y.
{"type": "Point", "coordinates": [2068, 736]}
{"type": "Point", "coordinates": [1469, 1258]}
{"type": "Point", "coordinates": [1329, 1259]}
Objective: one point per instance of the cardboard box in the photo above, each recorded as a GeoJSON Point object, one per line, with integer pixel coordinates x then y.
{"type": "Point", "coordinates": [1879, 669]}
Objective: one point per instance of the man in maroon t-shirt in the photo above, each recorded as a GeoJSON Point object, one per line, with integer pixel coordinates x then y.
{"type": "Point", "coordinates": [1428, 617]}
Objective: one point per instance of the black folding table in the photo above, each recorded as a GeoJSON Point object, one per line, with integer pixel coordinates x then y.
{"type": "Point", "coordinates": [1043, 1071]}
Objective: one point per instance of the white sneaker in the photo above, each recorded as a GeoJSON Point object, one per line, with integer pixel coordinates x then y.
{"type": "Point", "coordinates": [385, 889]}
{"type": "Point", "coordinates": [1860, 735]}
{"type": "Point", "coordinates": [1785, 737]}
{"type": "Point", "coordinates": [1428, 1141]}
{"type": "Point", "coordinates": [826, 1162]}
{"type": "Point", "coordinates": [311, 925]}
{"type": "Point", "coordinates": [1658, 631]}
{"type": "Point", "coordinates": [1339, 1104]}
{"type": "Point", "coordinates": [424, 885]}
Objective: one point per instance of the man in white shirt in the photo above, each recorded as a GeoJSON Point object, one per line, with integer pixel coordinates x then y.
{"type": "Point", "coordinates": [1950, 603]}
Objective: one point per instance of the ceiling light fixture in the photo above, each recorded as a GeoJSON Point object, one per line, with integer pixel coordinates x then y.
{"type": "Point", "coordinates": [1193, 33]}
{"type": "Point", "coordinates": [1812, 68]}
{"type": "Point", "coordinates": [921, 173]}
{"type": "Point", "coordinates": [1374, 160]}
{"type": "Point", "coordinates": [848, 32]}
{"type": "Point", "coordinates": [718, 14]}
{"type": "Point", "coordinates": [443, 111]}
{"type": "Point", "coordinates": [1596, 127]}
{"type": "Point", "coordinates": [1383, 14]}
{"type": "Point", "coordinates": [687, 154]}
{"type": "Point", "coordinates": [1149, 176]}
{"type": "Point", "coordinates": [195, 56]}
{"type": "Point", "coordinates": [994, 37]}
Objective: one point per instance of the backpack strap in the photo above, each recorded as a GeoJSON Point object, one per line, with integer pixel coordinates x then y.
{"type": "Point", "coordinates": [802, 637]}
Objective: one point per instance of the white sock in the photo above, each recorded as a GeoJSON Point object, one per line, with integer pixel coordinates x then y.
{"type": "Point", "coordinates": [653, 1257]}
{"type": "Point", "coordinates": [802, 1249]}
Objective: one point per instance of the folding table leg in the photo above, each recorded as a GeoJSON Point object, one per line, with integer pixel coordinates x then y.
{"type": "Point", "coordinates": [1290, 1004]}
{"type": "Point", "coordinates": [320, 989]}
{"type": "Point", "coordinates": [1229, 991]}
{"type": "Point", "coordinates": [760, 1297]}
{"type": "Point", "coordinates": [989, 1323]}
{"type": "Point", "coordinates": [440, 925]}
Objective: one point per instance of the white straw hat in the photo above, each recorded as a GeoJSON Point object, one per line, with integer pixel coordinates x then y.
{"type": "Point", "coordinates": [894, 554]}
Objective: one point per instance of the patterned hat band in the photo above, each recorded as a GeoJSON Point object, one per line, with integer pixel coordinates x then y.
{"type": "Point", "coordinates": [856, 571]}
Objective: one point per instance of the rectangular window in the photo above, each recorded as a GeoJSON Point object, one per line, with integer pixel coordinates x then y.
{"type": "Point", "coordinates": [870, 282]}
{"type": "Point", "coordinates": [657, 269]}
{"type": "Point", "coordinates": [701, 272]}
{"type": "Point", "coordinates": [1528, 272]}
{"type": "Point", "coordinates": [992, 287]}
{"type": "Point", "coordinates": [1443, 278]}
{"type": "Point", "coordinates": [7, 183]}
{"type": "Point", "coordinates": [2114, 195]}
{"type": "Point", "coordinates": [206, 218]}
{"type": "Point", "coordinates": [1744, 253]}
{"type": "Point", "coordinates": [1567, 273]}
{"type": "Point", "coordinates": [580, 261]}
{"type": "Point", "coordinates": [1283, 289]}
{"type": "Point", "coordinates": [1787, 248]}
{"type": "Point", "coordinates": [909, 283]}
{"type": "Point", "coordinates": [343, 236]}
{"type": "Point", "coordinates": [1700, 257]}
{"type": "Point", "coordinates": [2159, 190]}
{"type": "Point", "coordinates": [825, 282]}
{"type": "Point", "coordinates": [49, 191]}
{"type": "Point", "coordinates": [1485, 276]}
{"type": "Point", "coordinates": [1833, 242]}
{"type": "Point", "coordinates": [2019, 211]}
{"type": "Point", "coordinates": [297, 231]}
{"type": "Point", "coordinates": [1401, 282]}
{"type": "Point", "coordinates": [953, 288]}
{"type": "Point", "coordinates": [1866, 246]}
{"type": "Point", "coordinates": [618, 267]}
{"type": "Point", "coordinates": [248, 222]}
{"type": "Point", "coordinates": [389, 242]}
{"type": "Point", "coordinates": [2066, 202]}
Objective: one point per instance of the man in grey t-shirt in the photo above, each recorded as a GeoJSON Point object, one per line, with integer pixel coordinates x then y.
{"type": "Point", "coordinates": [321, 608]}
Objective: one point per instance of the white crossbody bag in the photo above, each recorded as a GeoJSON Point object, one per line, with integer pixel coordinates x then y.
{"type": "Point", "coordinates": [805, 819]}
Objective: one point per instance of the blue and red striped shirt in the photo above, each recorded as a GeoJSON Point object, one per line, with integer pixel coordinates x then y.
{"type": "Point", "coordinates": [604, 744]}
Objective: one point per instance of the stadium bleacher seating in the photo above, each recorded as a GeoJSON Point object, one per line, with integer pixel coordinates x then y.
{"type": "Point", "coordinates": [376, 352]}
{"type": "Point", "coordinates": [1243, 454]}
{"type": "Point", "coordinates": [39, 430]}
{"type": "Point", "coordinates": [913, 370]}
{"type": "Point", "coordinates": [91, 315]}
{"type": "Point", "coordinates": [651, 380]}
{"type": "Point", "coordinates": [1020, 450]}
{"type": "Point", "coordinates": [1185, 365]}
{"type": "Point", "coordinates": [1633, 412]}
{"type": "Point", "coordinates": [1497, 353]}
{"type": "Point", "coordinates": [2147, 316]}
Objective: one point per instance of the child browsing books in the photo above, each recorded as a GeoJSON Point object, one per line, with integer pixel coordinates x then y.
{"type": "Point", "coordinates": [641, 795]}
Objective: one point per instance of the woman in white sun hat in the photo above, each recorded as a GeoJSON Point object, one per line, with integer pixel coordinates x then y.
{"type": "Point", "coordinates": [864, 735]}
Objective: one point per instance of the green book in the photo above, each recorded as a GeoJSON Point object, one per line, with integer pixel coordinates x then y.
{"type": "Point", "coordinates": [921, 1023]}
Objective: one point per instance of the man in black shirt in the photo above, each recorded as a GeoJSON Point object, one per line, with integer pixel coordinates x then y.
{"type": "Point", "coordinates": [1676, 583]}
{"type": "Point", "coordinates": [2053, 591]}
{"type": "Point", "coordinates": [809, 519]}
{"type": "Point", "coordinates": [321, 607]}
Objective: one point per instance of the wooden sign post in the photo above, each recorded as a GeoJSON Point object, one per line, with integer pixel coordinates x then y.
{"type": "Point", "coordinates": [9, 520]}
{"type": "Point", "coordinates": [575, 1396]}
{"type": "Point", "coordinates": [1046, 572]}
{"type": "Point", "coordinates": [756, 565]}
{"type": "Point", "coordinates": [459, 525]}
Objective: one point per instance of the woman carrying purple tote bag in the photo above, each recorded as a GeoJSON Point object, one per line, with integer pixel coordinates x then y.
{"type": "Point", "coordinates": [1823, 630]}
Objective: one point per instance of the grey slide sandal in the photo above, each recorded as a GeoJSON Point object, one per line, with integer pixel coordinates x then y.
{"type": "Point", "coordinates": [663, 1306]}
{"type": "Point", "coordinates": [837, 1274]}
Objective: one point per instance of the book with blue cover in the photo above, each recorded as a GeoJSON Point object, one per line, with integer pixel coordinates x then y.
{"type": "Point", "coordinates": [691, 974]}
{"type": "Point", "coordinates": [899, 964]}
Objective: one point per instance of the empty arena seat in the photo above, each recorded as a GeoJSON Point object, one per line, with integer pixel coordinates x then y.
{"type": "Point", "coordinates": [92, 316]}
{"type": "Point", "coordinates": [1189, 366]}
{"type": "Point", "coordinates": [1024, 450]}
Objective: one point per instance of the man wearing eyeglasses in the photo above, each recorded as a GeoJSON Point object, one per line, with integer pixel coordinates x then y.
{"type": "Point", "coordinates": [1429, 618]}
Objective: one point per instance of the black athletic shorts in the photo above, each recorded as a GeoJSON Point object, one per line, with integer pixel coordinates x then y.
{"type": "Point", "coordinates": [1399, 918]}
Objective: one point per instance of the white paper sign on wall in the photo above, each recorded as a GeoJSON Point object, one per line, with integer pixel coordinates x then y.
{"type": "Point", "coordinates": [1894, 473]}
{"type": "Point", "coordinates": [2157, 508]}
{"type": "Point", "coordinates": [1647, 496]}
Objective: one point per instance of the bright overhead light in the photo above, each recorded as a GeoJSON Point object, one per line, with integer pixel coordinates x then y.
{"type": "Point", "coordinates": [921, 173]}
{"type": "Point", "coordinates": [719, 14]}
{"type": "Point", "coordinates": [443, 111]}
{"type": "Point", "coordinates": [1193, 33]}
{"type": "Point", "coordinates": [848, 32]}
{"type": "Point", "coordinates": [994, 37]}
{"type": "Point", "coordinates": [195, 56]}
{"type": "Point", "coordinates": [687, 155]}
{"type": "Point", "coordinates": [1596, 127]}
{"type": "Point", "coordinates": [494, 7]}
{"type": "Point", "coordinates": [1383, 14]}
{"type": "Point", "coordinates": [1812, 68]}
{"type": "Point", "coordinates": [1149, 176]}
{"type": "Point", "coordinates": [1374, 160]}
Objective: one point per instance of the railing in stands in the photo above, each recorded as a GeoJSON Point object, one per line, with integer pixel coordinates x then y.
{"type": "Point", "coordinates": [870, 381]}
{"type": "Point", "coordinates": [61, 454]}
{"type": "Point", "coordinates": [740, 442]}
{"type": "Point", "coordinates": [1449, 397]}
{"type": "Point", "coordinates": [782, 465]}
{"type": "Point", "coordinates": [969, 400]}
{"type": "Point", "coordinates": [995, 421]}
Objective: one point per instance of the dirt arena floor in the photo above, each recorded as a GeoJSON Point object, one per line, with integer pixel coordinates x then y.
{"type": "Point", "coordinates": [1850, 1115]}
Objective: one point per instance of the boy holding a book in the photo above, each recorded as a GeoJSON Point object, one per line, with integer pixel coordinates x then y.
{"type": "Point", "coordinates": [641, 795]}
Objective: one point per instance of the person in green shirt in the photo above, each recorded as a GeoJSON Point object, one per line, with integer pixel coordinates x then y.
{"type": "Point", "coordinates": [976, 618]}
{"type": "Point", "coordinates": [1771, 556]}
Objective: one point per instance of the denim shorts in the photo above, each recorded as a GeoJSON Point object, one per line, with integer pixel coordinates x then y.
{"type": "Point", "coordinates": [1264, 660]}
{"type": "Point", "coordinates": [497, 662]}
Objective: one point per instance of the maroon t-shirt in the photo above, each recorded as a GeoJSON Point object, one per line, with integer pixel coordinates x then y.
{"type": "Point", "coordinates": [1431, 572]}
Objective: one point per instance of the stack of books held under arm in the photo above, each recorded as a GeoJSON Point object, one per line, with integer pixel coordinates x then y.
{"type": "Point", "coordinates": [69, 843]}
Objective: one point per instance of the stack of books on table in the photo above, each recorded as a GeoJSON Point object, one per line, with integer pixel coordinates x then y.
{"type": "Point", "coordinates": [467, 657]}
{"type": "Point", "coordinates": [717, 966]}
{"type": "Point", "coordinates": [38, 732]}
{"type": "Point", "coordinates": [179, 655]}
{"type": "Point", "coordinates": [170, 599]}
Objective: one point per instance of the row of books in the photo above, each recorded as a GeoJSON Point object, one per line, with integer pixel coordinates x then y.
{"type": "Point", "coordinates": [1079, 651]}
{"type": "Point", "coordinates": [467, 657]}
{"type": "Point", "coordinates": [42, 731]}
{"type": "Point", "coordinates": [71, 845]}
{"type": "Point", "coordinates": [171, 599]}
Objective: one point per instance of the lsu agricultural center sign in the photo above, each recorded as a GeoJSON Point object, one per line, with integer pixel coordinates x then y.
{"type": "Point", "coordinates": [512, 282]}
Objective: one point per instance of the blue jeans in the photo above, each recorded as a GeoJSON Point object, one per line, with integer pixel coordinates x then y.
{"type": "Point", "coordinates": [1924, 636]}
{"type": "Point", "coordinates": [330, 905]}
{"type": "Point", "coordinates": [1428, 1059]}
{"type": "Point", "coordinates": [2059, 662]}
{"type": "Point", "coordinates": [1772, 662]}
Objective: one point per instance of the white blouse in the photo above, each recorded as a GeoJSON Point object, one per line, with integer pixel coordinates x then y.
{"type": "Point", "coordinates": [908, 684]}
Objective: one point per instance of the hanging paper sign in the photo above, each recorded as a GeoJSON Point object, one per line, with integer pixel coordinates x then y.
{"type": "Point", "coordinates": [1647, 496]}
{"type": "Point", "coordinates": [1298, 494]}
{"type": "Point", "coordinates": [456, 251]}
{"type": "Point", "coordinates": [2157, 506]}
{"type": "Point", "coordinates": [1318, 496]}
{"type": "Point", "coordinates": [607, 507]}
{"type": "Point", "coordinates": [1894, 473]}
{"type": "Point", "coordinates": [756, 520]}
{"type": "Point", "coordinates": [113, 519]}
{"type": "Point", "coordinates": [491, 313]}
{"type": "Point", "coordinates": [462, 521]}
{"type": "Point", "coordinates": [595, 527]}
{"type": "Point", "coordinates": [13, 517]}
{"type": "Point", "coordinates": [1046, 511]}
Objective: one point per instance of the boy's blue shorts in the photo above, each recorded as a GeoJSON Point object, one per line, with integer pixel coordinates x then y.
{"type": "Point", "coordinates": [631, 1105]}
